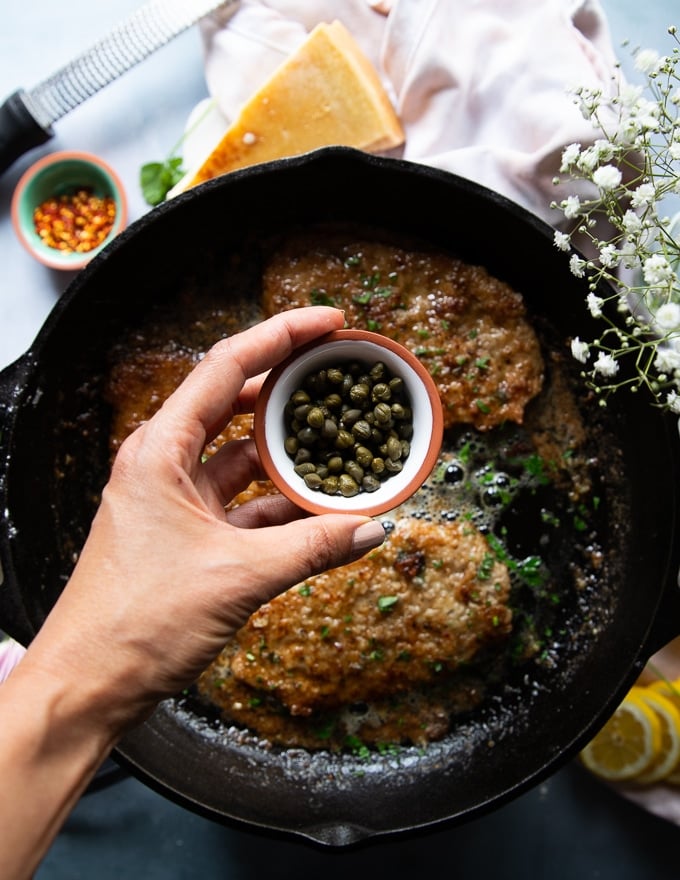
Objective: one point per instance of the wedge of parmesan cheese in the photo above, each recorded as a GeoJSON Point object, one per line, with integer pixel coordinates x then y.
{"type": "Point", "coordinates": [326, 93]}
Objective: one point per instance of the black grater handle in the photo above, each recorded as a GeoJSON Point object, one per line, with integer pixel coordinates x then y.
{"type": "Point", "coordinates": [19, 130]}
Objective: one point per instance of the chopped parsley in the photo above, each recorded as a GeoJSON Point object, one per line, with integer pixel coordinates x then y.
{"type": "Point", "coordinates": [386, 603]}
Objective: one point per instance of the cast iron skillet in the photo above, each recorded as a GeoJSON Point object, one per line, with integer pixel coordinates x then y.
{"type": "Point", "coordinates": [54, 429]}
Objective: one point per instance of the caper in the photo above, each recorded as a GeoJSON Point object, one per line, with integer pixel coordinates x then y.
{"type": "Point", "coordinates": [305, 468]}
{"type": "Point", "coordinates": [381, 391]}
{"type": "Point", "coordinates": [359, 393]}
{"type": "Point", "coordinates": [378, 465]}
{"type": "Point", "coordinates": [347, 383]}
{"type": "Point", "coordinates": [405, 448]}
{"type": "Point", "coordinates": [330, 485]}
{"type": "Point", "coordinates": [361, 430]}
{"type": "Point", "coordinates": [291, 445]}
{"type": "Point", "coordinates": [301, 412]}
{"type": "Point", "coordinates": [370, 483]}
{"type": "Point", "coordinates": [303, 454]}
{"type": "Point", "coordinates": [393, 448]}
{"type": "Point", "coordinates": [350, 416]}
{"type": "Point", "coordinates": [377, 371]}
{"type": "Point", "coordinates": [333, 401]}
{"type": "Point", "coordinates": [393, 467]}
{"type": "Point", "coordinates": [347, 486]}
{"type": "Point", "coordinates": [363, 455]}
{"type": "Point", "coordinates": [299, 397]}
{"type": "Point", "coordinates": [329, 429]}
{"type": "Point", "coordinates": [307, 436]}
{"type": "Point", "coordinates": [354, 469]}
{"type": "Point", "coordinates": [344, 440]}
{"type": "Point", "coordinates": [335, 464]}
{"type": "Point", "coordinates": [335, 376]}
{"type": "Point", "coordinates": [313, 481]}
{"type": "Point", "coordinates": [406, 431]}
{"type": "Point", "coordinates": [316, 417]}
{"type": "Point", "coordinates": [382, 413]}
{"type": "Point", "coordinates": [396, 384]}
{"type": "Point", "coordinates": [398, 411]}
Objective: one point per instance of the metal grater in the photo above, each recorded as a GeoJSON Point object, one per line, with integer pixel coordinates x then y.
{"type": "Point", "coordinates": [26, 116]}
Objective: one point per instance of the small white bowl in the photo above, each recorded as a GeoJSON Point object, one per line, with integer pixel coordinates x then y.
{"type": "Point", "coordinates": [336, 348]}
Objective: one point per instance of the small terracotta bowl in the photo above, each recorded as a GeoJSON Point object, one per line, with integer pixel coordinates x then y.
{"type": "Point", "coordinates": [56, 175]}
{"type": "Point", "coordinates": [330, 350]}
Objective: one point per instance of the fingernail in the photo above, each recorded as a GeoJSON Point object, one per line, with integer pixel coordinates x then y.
{"type": "Point", "coordinates": [366, 537]}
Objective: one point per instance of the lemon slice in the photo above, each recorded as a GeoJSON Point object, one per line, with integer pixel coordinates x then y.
{"type": "Point", "coordinates": [628, 743]}
{"type": "Point", "coordinates": [667, 757]}
{"type": "Point", "coordinates": [671, 691]}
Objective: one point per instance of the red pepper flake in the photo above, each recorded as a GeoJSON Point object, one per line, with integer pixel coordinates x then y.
{"type": "Point", "coordinates": [75, 222]}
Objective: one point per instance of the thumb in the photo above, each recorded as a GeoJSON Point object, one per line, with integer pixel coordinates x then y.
{"type": "Point", "coordinates": [290, 553]}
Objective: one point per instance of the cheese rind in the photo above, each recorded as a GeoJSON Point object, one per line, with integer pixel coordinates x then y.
{"type": "Point", "coordinates": [326, 93]}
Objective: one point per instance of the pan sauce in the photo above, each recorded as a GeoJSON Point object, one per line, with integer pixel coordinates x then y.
{"type": "Point", "coordinates": [527, 484]}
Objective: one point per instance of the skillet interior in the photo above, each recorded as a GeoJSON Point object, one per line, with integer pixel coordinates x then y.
{"type": "Point", "coordinates": [51, 493]}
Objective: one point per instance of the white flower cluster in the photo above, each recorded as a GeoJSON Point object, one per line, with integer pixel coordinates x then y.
{"type": "Point", "coordinates": [632, 172]}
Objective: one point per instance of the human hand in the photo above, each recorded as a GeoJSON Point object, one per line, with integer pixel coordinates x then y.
{"type": "Point", "coordinates": [166, 576]}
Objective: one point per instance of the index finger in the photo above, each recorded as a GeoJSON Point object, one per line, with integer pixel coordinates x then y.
{"type": "Point", "coordinates": [206, 400]}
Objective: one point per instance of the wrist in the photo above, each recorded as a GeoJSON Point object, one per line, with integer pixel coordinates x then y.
{"type": "Point", "coordinates": [50, 749]}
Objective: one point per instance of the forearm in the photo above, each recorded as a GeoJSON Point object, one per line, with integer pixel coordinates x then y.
{"type": "Point", "coordinates": [50, 748]}
{"type": "Point", "coordinates": [164, 580]}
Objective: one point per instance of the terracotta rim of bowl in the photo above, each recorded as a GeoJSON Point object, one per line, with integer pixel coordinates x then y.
{"type": "Point", "coordinates": [376, 502]}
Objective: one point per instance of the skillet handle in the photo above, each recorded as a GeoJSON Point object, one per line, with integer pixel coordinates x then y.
{"type": "Point", "coordinates": [13, 619]}
{"type": "Point", "coordinates": [19, 129]}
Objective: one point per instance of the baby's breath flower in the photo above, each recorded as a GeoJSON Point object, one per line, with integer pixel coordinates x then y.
{"type": "Point", "coordinates": [646, 60]}
{"type": "Point", "coordinates": [656, 270]}
{"type": "Point", "coordinates": [609, 256]}
{"type": "Point", "coordinates": [629, 255]}
{"type": "Point", "coordinates": [629, 95]}
{"type": "Point", "coordinates": [569, 155]}
{"type": "Point", "coordinates": [667, 316]}
{"type": "Point", "coordinates": [562, 241]}
{"type": "Point", "coordinates": [605, 150]}
{"type": "Point", "coordinates": [589, 101]}
{"type": "Point", "coordinates": [580, 350]}
{"type": "Point", "coordinates": [606, 365]}
{"type": "Point", "coordinates": [571, 206]}
{"type": "Point", "coordinates": [631, 222]}
{"type": "Point", "coordinates": [607, 177]}
{"type": "Point", "coordinates": [632, 251]}
{"type": "Point", "coordinates": [643, 195]}
{"type": "Point", "coordinates": [647, 113]}
{"type": "Point", "coordinates": [589, 159]}
{"type": "Point", "coordinates": [577, 266]}
{"type": "Point", "coordinates": [594, 304]}
{"type": "Point", "coordinates": [667, 359]}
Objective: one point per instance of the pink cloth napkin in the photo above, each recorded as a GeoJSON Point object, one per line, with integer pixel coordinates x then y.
{"type": "Point", "coordinates": [10, 654]}
{"type": "Point", "coordinates": [481, 86]}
